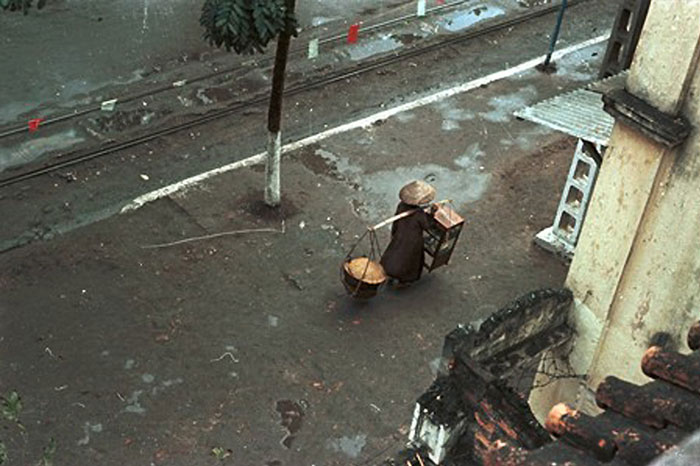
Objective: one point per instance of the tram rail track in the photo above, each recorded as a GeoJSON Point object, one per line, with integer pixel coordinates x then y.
{"type": "Point", "coordinates": [263, 61]}
{"type": "Point", "coordinates": [292, 90]}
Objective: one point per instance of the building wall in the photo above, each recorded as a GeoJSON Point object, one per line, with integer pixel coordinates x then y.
{"type": "Point", "coordinates": [659, 290]}
{"type": "Point", "coordinates": [636, 270]}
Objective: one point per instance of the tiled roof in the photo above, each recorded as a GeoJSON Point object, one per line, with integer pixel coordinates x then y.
{"type": "Point", "coordinates": [639, 422]}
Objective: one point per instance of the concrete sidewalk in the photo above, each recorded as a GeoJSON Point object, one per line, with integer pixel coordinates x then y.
{"type": "Point", "coordinates": [128, 350]}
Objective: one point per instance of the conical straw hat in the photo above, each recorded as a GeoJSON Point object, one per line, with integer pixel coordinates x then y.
{"type": "Point", "coordinates": [417, 192]}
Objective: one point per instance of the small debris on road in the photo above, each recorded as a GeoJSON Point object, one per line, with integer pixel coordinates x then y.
{"type": "Point", "coordinates": [318, 385]}
{"type": "Point", "coordinates": [291, 414]}
{"type": "Point", "coordinates": [68, 176]}
{"type": "Point", "coordinates": [228, 353]}
{"type": "Point", "coordinates": [293, 281]}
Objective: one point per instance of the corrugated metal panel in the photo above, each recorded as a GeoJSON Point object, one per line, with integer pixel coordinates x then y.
{"type": "Point", "coordinates": [578, 113]}
{"type": "Point", "coordinates": [616, 81]}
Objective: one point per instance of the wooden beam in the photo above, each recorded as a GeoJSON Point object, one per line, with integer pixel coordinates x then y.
{"type": "Point", "coordinates": [560, 454]}
{"type": "Point", "coordinates": [637, 444]}
{"type": "Point", "coordinates": [655, 404]}
{"type": "Point", "coordinates": [673, 367]}
{"type": "Point", "coordinates": [580, 431]}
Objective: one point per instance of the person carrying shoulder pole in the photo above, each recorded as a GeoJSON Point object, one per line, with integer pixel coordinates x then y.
{"type": "Point", "coordinates": [403, 258]}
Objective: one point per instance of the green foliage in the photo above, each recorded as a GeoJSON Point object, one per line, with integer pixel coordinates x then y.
{"type": "Point", "coordinates": [245, 26]}
{"type": "Point", "coordinates": [49, 452]}
{"type": "Point", "coordinates": [21, 5]}
{"type": "Point", "coordinates": [11, 407]}
{"type": "Point", "coordinates": [220, 453]}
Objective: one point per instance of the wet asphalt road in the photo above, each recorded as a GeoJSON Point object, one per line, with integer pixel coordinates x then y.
{"type": "Point", "coordinates": [127, 353]}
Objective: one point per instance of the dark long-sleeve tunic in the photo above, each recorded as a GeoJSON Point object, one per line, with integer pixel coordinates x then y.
{"type": "Point", "coordinates": [403, 258]}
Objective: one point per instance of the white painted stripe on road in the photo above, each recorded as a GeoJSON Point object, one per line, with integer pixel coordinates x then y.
{"type": "Point", "coordinates": [361, 123]}
{"type": "Point", "coordinates": [192, 181]}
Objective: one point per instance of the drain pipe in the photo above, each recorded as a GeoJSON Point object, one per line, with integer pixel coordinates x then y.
{"type": "Point", "coordinates": [547, 66]}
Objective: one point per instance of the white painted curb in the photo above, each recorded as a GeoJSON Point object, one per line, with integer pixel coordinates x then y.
{"type": "Point", "coordinates": [361, 123]}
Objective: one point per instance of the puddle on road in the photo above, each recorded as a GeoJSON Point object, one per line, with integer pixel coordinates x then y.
{"type": "Point", "coordinates": [292, 415]}
{"type": "Point", "coordinates": [79, 87]}
{"type": "Point", "coordinates": [469, 159]}
{"type": "Point", "coordinates": [164, 385]}
{"type": "Point", "coordinates": [10, 111]}
{"type": "Point", "coordinates": [452, 115]}
{"type": "Point", "coordinates": [337, 164]}
{"type": "Point", "coordinates": [504, 105]}
{"type": "Point", "coordinates": [319, 20]}
{"type": "Point", "coordinates": [70, 93]}
{"type": "Point", "coordinates": [462, 19]}
{"type": "Point", "coordinates": [36, 147]}
{"type": "Point", "coordinates": [465, 184]}
{"type": "Point", "coordinates": [87, 429]}
{"type": "Point", "coordinates": [365, 49]}
{"type": "Point", "coordinates": [351, 446]}
{"type": "Point", "coordinates": [527, 141]}
{"type": "Point", "coordinates": [462, 186]}
{"type": "Point", "coordinates": [134, 405]}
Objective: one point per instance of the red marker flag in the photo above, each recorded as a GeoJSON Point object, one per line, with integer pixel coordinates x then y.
{"type": "Point", "coordinates": [353, 33]}
{"type": "Point", "coordinates": [34, 124]}
{"type": "Point", "coordinates": [440, 2]}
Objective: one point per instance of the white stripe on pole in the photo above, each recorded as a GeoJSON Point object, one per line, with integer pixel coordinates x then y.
{"type": "Point", "coordinates": [313, 49]}
{"type": "Point", "coordinates": [421, 8]}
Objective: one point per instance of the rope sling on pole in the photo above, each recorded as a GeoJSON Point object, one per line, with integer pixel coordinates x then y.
{"type": "Point", "coordinates": [362, 275]}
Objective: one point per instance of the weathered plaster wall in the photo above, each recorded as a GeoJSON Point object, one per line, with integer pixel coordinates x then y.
{"type": "Point", "coordinates": [666, 53]}
{"type": "Point", "coordinates": [660, 289]}
{"type": "Point", "coordinates": [616, 208]}
{"type": "Point", "coordinates": [636, 270]}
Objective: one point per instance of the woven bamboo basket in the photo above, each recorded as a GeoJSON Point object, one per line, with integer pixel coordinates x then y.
{"type": "Point", "coordinates": [362, 277]}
